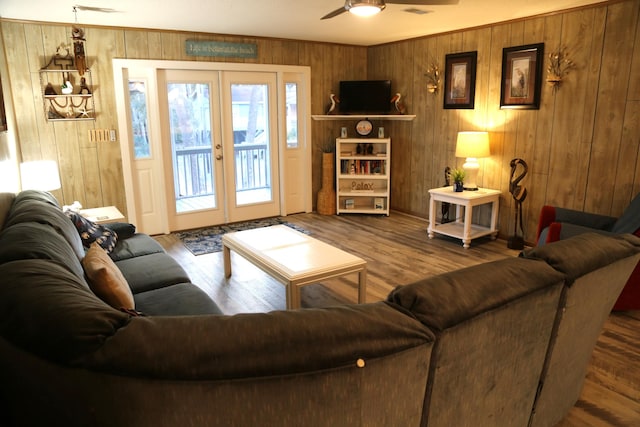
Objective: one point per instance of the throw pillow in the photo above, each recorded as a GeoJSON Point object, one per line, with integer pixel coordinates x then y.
{"type": "Point", "coordinates": [106, 280]}
{"type": "Point", "coordinates": [124, 230]}
{"type": "Point", "coordinates": [91, 232]}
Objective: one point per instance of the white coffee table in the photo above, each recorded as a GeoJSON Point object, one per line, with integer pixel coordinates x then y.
{"type": "Point", "coordinates": [293, 258]}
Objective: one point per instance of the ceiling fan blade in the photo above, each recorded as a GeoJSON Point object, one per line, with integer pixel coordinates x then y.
{"type": "Point", "coordinates": [424, 2]}
{"type": "Point", "coordinates": [94, 9]}
{"type": "Point", "coordinates": [334, 13]}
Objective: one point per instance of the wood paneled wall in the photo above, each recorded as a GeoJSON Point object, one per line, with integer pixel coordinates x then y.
{"type": "Point", "coordinates": [582, 145]}
{"type": "Point", "coordinates": [92, 172]}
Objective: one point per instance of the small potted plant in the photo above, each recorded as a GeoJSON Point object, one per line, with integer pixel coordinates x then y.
{"type": "Point", "coordinates": [458, 179]}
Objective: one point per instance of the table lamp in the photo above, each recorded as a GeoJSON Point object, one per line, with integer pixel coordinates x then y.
{"type": "Point", "coordinates": [472, 145]}
{"type": "Point", "coordinates": [40, 175]}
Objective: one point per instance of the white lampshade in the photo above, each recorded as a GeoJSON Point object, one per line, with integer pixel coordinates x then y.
{"type": "Point", "coordinates": [472, 145]}
{"type": "Point", "coordinates": [40, 175]}
{"type": "Point", "coordinates": [365, 7]}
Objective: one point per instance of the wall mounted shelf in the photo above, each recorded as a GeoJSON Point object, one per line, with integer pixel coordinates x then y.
{"type": "Point", "coordinates": [403, 117]}
{"type": "Point", "coordinates": [74, 106]}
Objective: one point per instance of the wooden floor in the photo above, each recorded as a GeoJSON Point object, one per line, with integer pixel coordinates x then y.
{"type": "Point", "coordinates": [398, 251]}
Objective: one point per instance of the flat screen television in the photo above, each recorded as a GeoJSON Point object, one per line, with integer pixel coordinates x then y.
{"type": "Point", "coordinates": [365, 96]}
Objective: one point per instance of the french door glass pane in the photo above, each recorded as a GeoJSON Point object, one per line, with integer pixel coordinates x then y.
{"type": "Point", "coordinates": [139, 119]}
{"type": "Point", "coordinates": [191, 142]}
{"type": "Point", "coordinates": [250, 123]}
{"type": "Point", "coordinates": [291, 95]}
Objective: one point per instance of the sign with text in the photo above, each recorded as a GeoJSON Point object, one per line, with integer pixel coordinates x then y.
{"type": "Point", "coordinates": [227, 49]}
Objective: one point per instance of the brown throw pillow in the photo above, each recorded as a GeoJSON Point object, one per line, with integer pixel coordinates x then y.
{"type": "Point", "coordinates": [106, 280]}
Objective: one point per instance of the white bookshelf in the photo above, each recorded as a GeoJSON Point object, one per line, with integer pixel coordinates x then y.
{"type": "Point", "coordinates": [363, 175]}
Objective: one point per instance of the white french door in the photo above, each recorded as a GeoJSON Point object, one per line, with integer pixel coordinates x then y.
{"type": "Point", "coordinates": [192, 141]}
{"type": "Point", "coordinates": [211, 143]}
{"type": "Point", "coordinates": [220, 128]}
{"type": "Point", "coordinates": [250, 136]}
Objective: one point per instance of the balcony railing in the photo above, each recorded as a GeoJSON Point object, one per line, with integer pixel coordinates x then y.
{"type": "Point", "coordinates": [194, 172]}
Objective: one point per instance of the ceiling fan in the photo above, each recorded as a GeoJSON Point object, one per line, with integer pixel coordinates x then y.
{"type": "Point", "coordinates": [371, 7]}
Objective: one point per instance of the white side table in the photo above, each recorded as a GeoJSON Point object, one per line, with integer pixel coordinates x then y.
{"type": "Point", "coordinates": [462, 228]}
{"type": "Point", "coordinates": [102, 215]}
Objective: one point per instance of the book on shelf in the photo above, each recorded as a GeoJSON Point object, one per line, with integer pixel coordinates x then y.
{"type": "Point", "coordinates": [378, 203]}
{"type": "Point", "coordinates": [362, 167]}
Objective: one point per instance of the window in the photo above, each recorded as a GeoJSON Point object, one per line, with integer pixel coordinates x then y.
{"type": "Point", "coordinates": [139, 119]}
{"type": "Point", "coordinates": [291, 95]}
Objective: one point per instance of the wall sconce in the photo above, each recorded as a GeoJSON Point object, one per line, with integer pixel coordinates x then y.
{"type": "Point", "coordinates": [472, 145]}
{"type": "Point", "coordinates": [559, 66]}
{"type": "Point", "coordinates": [40, 175]}
{"type": "Point", "coordinates": [433, 78]}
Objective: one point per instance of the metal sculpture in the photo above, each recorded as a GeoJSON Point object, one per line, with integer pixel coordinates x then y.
{"type": "Point", "coordinates": [519, 193]}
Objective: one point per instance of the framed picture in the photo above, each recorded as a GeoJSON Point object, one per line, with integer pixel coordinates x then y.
{"type": "Point", "coordinates": [521, 77]}
{"type": "Point", "coordinates": [460, 80]}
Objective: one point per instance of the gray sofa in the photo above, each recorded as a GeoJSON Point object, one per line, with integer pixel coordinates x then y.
{"type": "Point", "coordinates": [495, 344]}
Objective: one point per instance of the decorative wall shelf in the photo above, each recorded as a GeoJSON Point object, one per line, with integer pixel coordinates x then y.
{"type": "Point", "coordinates": [77, 105]}
{"type": "Point", "coordinates": [403, 117]}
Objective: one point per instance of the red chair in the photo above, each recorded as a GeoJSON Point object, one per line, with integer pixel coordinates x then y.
{"type": "Point", "coordinates": [558, 223]}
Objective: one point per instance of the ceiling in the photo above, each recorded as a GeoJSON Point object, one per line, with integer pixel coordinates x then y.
{"type": "Point", "coordinates": [288, 19]}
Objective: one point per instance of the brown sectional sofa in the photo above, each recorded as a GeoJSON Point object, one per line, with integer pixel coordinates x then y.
{"type": "Point", "coordinates": [499, 344]}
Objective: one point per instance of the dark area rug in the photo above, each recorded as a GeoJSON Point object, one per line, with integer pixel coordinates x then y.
{"type": "Point", "coordinates": [209, 240]}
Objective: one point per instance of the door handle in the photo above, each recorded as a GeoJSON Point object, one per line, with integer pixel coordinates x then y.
{"type": "Point", "coordinates": [219, 157]}
{"type": "Point", "coordinates": [218, 146]}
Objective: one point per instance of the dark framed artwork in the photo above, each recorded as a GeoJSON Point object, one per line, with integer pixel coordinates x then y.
{"type": "Point", "coordinates": [460, 80]}
{"type": "Point", "coordinates": [521, 77]}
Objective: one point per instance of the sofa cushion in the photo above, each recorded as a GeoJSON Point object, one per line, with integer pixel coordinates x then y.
{"type": "Point", "coordinates": [91, 232]}
{"type": "Point", "coordinates": [584, 253]}
{"type": "Point", "coordinates": [451, 298]}
{"type": "Point", "coordinates": [39, 196]}
{"type": "Point", "coordinates": [106, 280]}
{"type": "Point", "coordinates": [139, 244]}
{"type": "Point", "coordinates": [29, 209]}
{"type": "Point", "coordinates": [153, 271]}
{"type": "Point", "coordinates": [493, 323]}
{"type": "Point", "coordinates": [47, 310]}
{"type": "Point", "coordinates": [6, 200]}
{"type": "Point", "coordinates": [183, 299]}
{"type": "Point", "coordinates": [32, 240]}
{"type": "Point", "coordinates": [282, 342]}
